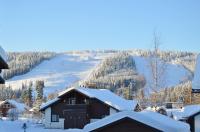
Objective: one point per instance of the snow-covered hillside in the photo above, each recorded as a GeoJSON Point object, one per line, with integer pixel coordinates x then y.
{"type": "Point", "coordinates": [66, 69]}
{"type": "Point", "coordinates": [58, 73]}
{"type": "Point", "coordinates": [173, 74]}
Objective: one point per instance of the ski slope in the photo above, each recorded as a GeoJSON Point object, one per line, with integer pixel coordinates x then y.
{"type": "Point", "coordinates": [66, 69]}
{"type": "Point", "coordinates": [172, 74]}
{"type": "Point", "coordinates": [58, 72]}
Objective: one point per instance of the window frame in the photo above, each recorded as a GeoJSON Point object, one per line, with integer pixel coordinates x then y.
{"type": "Point", "coordinates": [56, 117]}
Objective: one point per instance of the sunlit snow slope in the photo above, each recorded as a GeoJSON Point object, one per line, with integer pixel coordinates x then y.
{"type": "Point", "coordinates": [172, 74]}
{"type": "Point", "coordinates": [58, 72]}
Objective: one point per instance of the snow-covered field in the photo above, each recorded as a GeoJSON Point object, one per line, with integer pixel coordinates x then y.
{"type": "Point", "coordinates": [58, 72]}
{"type": "Point", "coordinates": [16, 126]}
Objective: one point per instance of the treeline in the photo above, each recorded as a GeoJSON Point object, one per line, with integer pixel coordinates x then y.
{"type": "Point", "coordinates": [22, 62]}
{"type": "Point", "coordinates": [187, 59]}
{"type": "Point", "coordinates": [179, 93]}
{"type": "Point", "coordinates": [117, 73]}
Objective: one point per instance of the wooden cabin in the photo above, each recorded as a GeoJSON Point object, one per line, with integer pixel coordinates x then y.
{"type": "Point", "coordinates": [130, 121]}
{"type": "Point", "coordinates": [76, 107]}
{"type": "Point", "coordinates": [5, 106]}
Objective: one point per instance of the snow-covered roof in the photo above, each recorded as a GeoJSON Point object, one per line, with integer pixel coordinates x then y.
{"type": "Point", "coordinates": [45, 105]}
{"type": "Point", "coordinates": [185, 112]}
{"type": "Point", "coordinates": [3, 54]}
{"type": "Point", "coordinates": [149, 118]}
{"type": "Point", "coordinates": [105, 96]}
{"type": "Point", "coordinates": [196, 80]}
{"type": "Point", "coordinates": [20, 106]}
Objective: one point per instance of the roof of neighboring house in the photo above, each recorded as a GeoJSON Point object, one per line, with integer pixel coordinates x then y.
{"type": "Point", "coordinates": [149, 118]}
{"type": "Point", "coordinates": [20, 106]}
{"type": "Point", "coordinates": [185, 112]}
{"type": "Point", "coordinates": [103, 95]}
{"type": "Point", "coordinates": [3, 59]}
{"type": "Point", "coordinates": [3, 54]}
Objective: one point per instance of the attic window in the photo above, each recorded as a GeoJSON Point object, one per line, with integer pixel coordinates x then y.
{"type": "Point", "coordinates": [55, 118]}
{"type": "Point", "coordinates": [72, 101]}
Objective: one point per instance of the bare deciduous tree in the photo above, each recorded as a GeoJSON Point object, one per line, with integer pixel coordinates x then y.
{"type": "Point", "coordinates": [157, 66]}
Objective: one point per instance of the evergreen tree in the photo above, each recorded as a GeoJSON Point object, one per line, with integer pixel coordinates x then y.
{"type": "Point", "coordinates": [39, 90]}
{"type": "Point", "coordinates": [29, 94]}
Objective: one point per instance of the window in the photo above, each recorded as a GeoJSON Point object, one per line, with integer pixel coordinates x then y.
{"type": "Point", "coordinates": [72, 101]}
{"type": "Point", "coordinates": [7, 105]}
{"type": "Point", "coordinates": [55, 118]}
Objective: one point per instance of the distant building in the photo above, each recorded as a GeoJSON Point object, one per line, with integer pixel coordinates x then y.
{"type": "Point", "coordinates": [76, 107]}
{"type": "Point", "coordinates": [7, 105]}
{"type": "Point", "coordinates": [173, 105]}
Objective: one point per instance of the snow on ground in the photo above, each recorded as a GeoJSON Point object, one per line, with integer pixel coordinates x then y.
{"type": "Point", "coordinates": [172, 75]}
{"type": "Point", "coordinates": [16, 126]}
{"type": "Point", "coordinates": [58, 72]}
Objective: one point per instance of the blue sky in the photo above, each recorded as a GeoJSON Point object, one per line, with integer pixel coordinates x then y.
{"type": "Point", "coordinates": [60, 25]}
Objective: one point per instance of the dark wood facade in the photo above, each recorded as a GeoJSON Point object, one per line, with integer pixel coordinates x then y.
{"type": "Point", "coordinates": [126, 125]}
{"type": "Point", "coordinates": [4, 108]}
{"type": "Point", "coordinates": [3, 64]}
{"type": "Point", "coordinates": [77, 109]}
{"type": "Point", "coordinates": [191, 121]}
